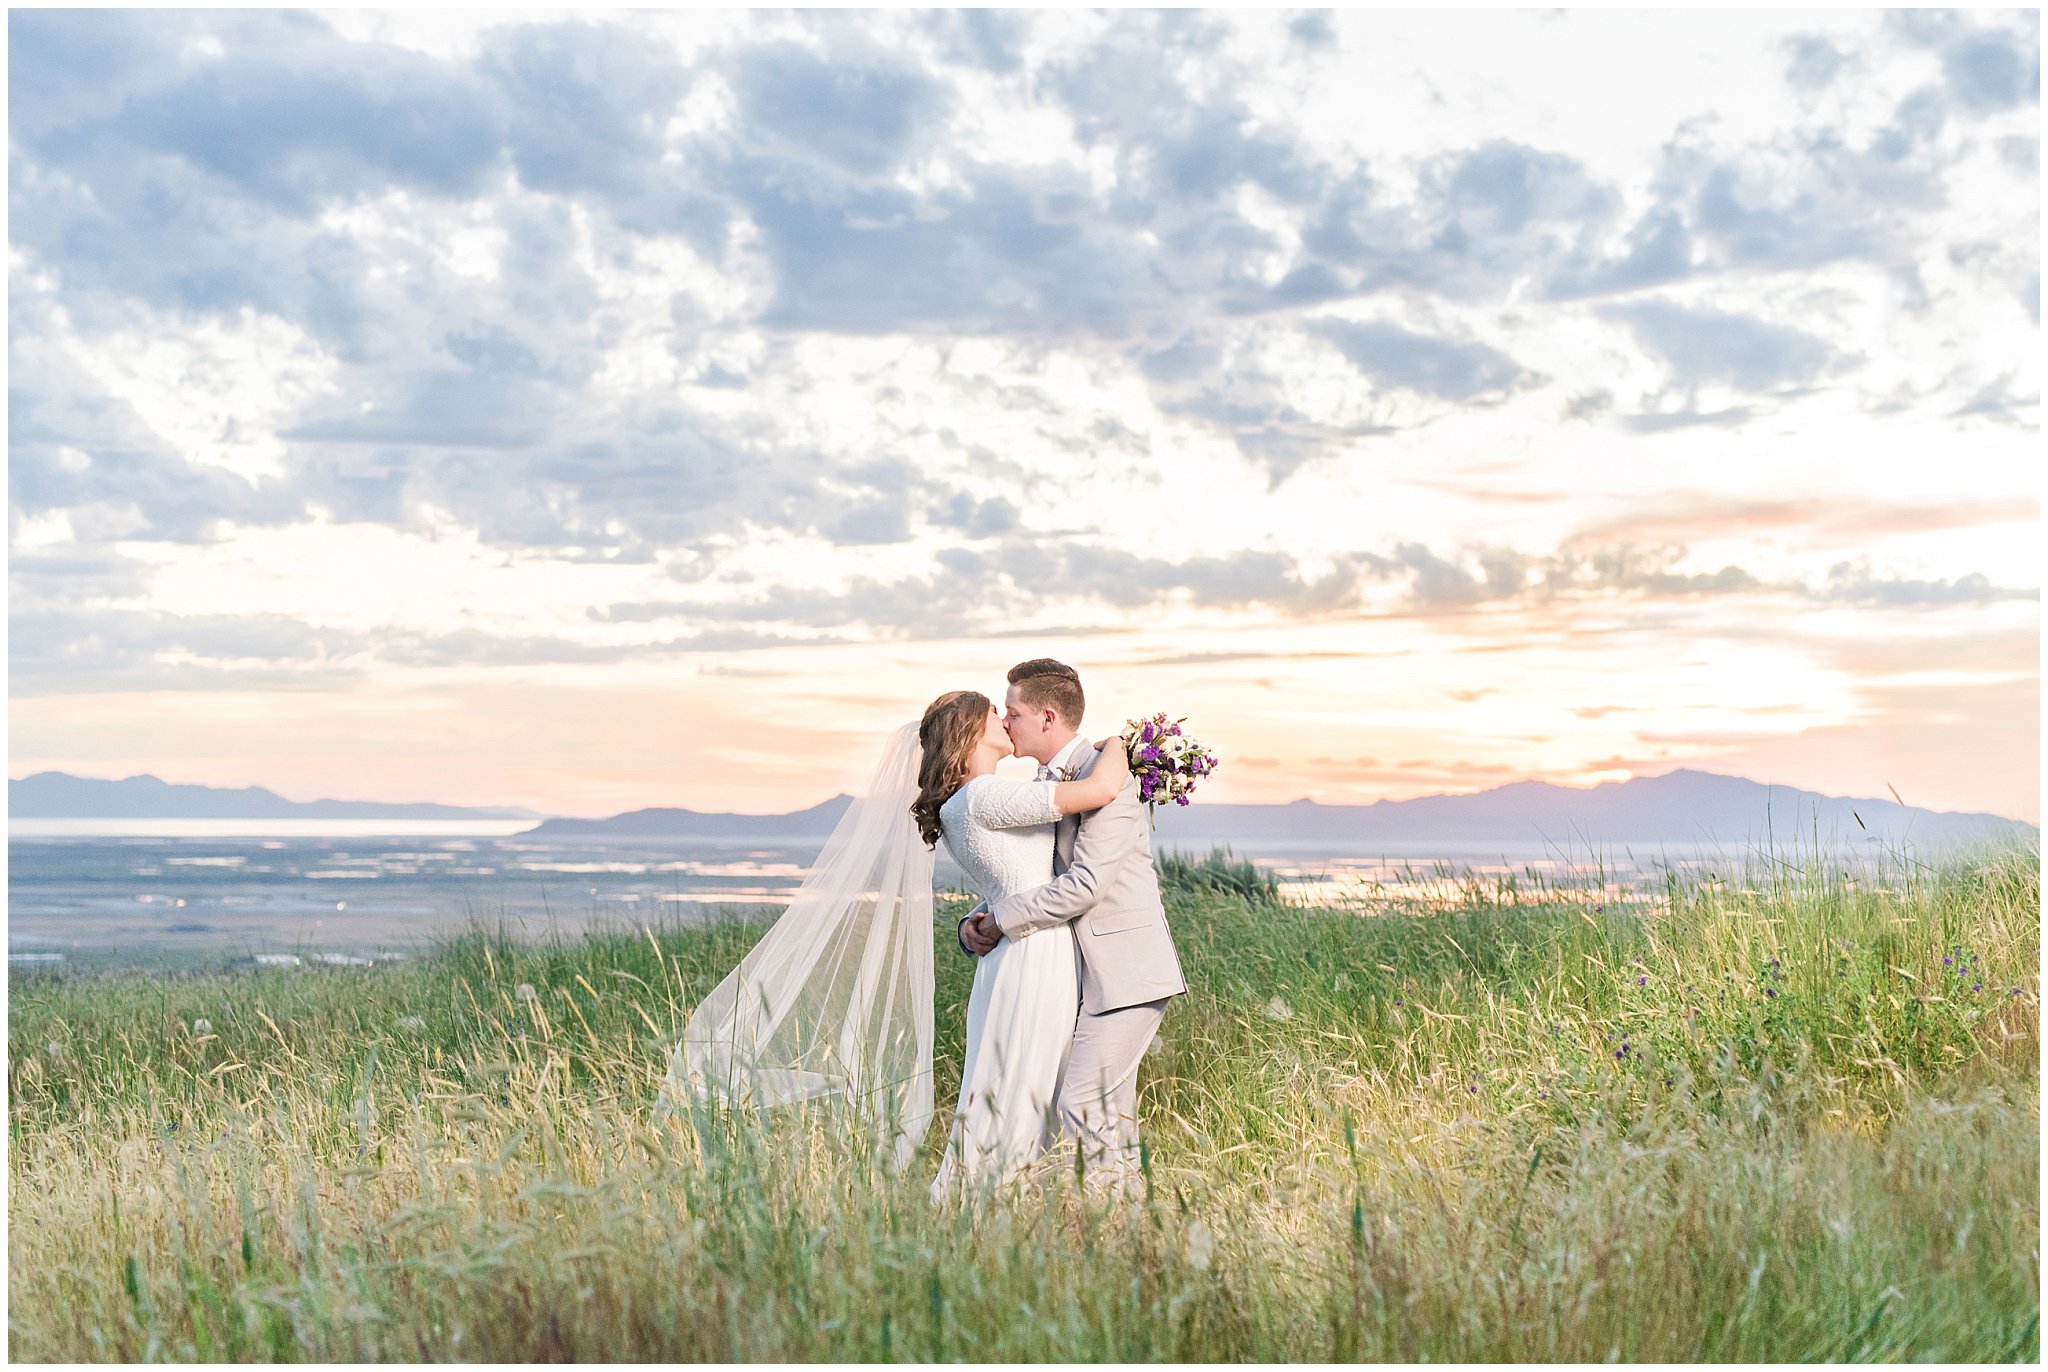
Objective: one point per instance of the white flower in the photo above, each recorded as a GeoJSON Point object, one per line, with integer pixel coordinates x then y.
{"type": "Point", "coordinates": [201, 1028]}
{"type": "Point", "coordinates": [412, 1022]}
{"type": "Point", "coordinates": [1279, 1009]}
{"type": "Point", "coordinates": [525, 991]}
{"type": "Point", "coordinates": [1201, 1246]}
{"type": "Point", "coordinates": [55, 1050]}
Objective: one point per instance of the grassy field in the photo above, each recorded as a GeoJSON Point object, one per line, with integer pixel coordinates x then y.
{"type": "Point", "coordinates": [1787, 1115]}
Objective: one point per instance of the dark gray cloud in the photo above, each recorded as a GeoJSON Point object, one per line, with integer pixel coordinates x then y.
{"type": "Point", "coordinates": [1711, 345]}
{"type": "Point", "coordinates": [1437, 367]}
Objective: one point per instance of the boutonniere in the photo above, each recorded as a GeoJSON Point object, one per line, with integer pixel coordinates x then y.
{"type": "Point", "coordinates": [1064, 773]}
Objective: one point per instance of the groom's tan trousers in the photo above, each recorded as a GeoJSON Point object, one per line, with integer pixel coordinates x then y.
{"type": "Point", "coordinates": [1098, 1097]}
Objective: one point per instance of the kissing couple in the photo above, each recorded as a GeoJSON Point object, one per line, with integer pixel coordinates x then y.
{"type": "Point", "coordinates": [1075, 961]}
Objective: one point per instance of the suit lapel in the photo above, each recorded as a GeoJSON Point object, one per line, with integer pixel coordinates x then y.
{"type": "Point", "coordinates": [1083, 760]}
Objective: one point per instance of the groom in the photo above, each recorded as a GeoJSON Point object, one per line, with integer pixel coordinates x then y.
{"type": "Point", "coordinates": [1104, 882]}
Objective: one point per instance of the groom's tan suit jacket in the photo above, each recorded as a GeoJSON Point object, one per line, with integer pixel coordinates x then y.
{"type": "Point", "coordinates": [1105, 884]}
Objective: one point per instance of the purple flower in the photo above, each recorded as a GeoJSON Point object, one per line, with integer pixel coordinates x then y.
{"type": "Point", "coordinates": [1976, 986]}
{"type": "Point", "coordinates": [1180, 800]}
{"type": "Point", "coordinates": [1944, 962]}
{"type": "Point", "coordinates": [1771, 991]}
{"type": "Point", "coordinates": [1147, 735]}
{"type": "Point", "coordinates": [1642, 981]}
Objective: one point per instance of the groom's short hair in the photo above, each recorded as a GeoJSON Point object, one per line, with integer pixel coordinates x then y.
{"type": "Point", "coordinates": [1042, 682]}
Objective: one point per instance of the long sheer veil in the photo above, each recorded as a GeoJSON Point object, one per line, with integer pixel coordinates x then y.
{"type": "Point", "coordinates": [836, 998]}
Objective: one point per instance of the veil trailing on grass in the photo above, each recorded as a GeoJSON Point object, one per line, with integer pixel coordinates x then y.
{"type": "Point", "coordinates": [836, 999]}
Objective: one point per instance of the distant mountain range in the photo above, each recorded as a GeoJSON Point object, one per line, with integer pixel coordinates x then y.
{"type": "Point", "coordinates": [1684, 806]}
{"type": "Point", "coordinates": [59, 795]}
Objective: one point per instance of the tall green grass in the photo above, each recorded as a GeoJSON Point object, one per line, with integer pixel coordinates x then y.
{"type": "Point", "coordinates": [1786, 1115]}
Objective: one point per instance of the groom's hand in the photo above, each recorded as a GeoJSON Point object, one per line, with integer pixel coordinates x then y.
{"type": "Point", "coordinates": [980, 934]}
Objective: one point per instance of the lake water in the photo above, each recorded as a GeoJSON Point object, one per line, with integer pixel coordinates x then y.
{"type": "Point", "coordinates": [88, 891]}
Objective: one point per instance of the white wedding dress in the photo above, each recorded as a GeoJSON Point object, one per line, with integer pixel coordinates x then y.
{"type": "Point", "coordinates": [1021, 1012]}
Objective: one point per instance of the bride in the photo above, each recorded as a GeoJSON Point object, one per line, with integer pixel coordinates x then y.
{"type": "Point", "coordinates": [835, 1001]}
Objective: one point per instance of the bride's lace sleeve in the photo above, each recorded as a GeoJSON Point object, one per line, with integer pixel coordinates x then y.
{"type": "Point", "coordinates": [999, 803]}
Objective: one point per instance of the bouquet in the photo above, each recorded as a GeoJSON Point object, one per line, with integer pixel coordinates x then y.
{"type": "Point", "coordinates": [1166, 762]}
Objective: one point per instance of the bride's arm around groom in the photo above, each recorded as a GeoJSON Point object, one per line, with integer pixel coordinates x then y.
{"type": "Point", "coordinates": [1105, 884]}
{"type": "Point", "coordinates": [1103, 844]}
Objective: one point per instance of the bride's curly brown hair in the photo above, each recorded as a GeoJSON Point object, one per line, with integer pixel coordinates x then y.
{"type": "Point", "coordinates": [951, 730]}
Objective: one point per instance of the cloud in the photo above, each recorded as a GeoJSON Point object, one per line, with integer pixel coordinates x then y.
{"type": "Point", "coordinates": [990, 39]}
{"type": "Point", "coordinates": [990, 256]}
{"type": "Point", "coordinates": [567, 285]}
{"type": "Point", "coordinates": [1700, 345]}
{"type": "Point", "coordinates": [1814, 61]}
{"type": "Point", "coordinates": [1997, 400]}
{"type": "Point", "coordinates": [52, 651]}
{"type": "Point", "coordinates": [1685, 417]}
{"type": "Point", "coordinates": [860, 118]}
{"type": "Point", "coordinates": [1684, 515]}
{"type": "Point", "coordinates": [1658, 250]}
{"type": "Point", "coordinates": [1312, 29]}
{"type": "Point", "coordinates": [294, 134]}
{"type": "Point", "coordinates": [1992, 70]}
{"type": "Point", "coordinates": [1484, 219]}
{"type": "Point", "coordinates": [1853, 582]}
{"type": "Point", "coordinates": [586, 106]}
{"type": "Point", "coordinates": [1435, 367]}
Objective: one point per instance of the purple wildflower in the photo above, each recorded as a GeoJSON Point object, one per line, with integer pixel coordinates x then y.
{"type": "Point", "coordinates": [1642, 981]}
{"type": "Point", "coordinates": [1771, 991]}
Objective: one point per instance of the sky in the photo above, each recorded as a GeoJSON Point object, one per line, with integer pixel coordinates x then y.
{"type": "Point", "coordinates": [587, 410]}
